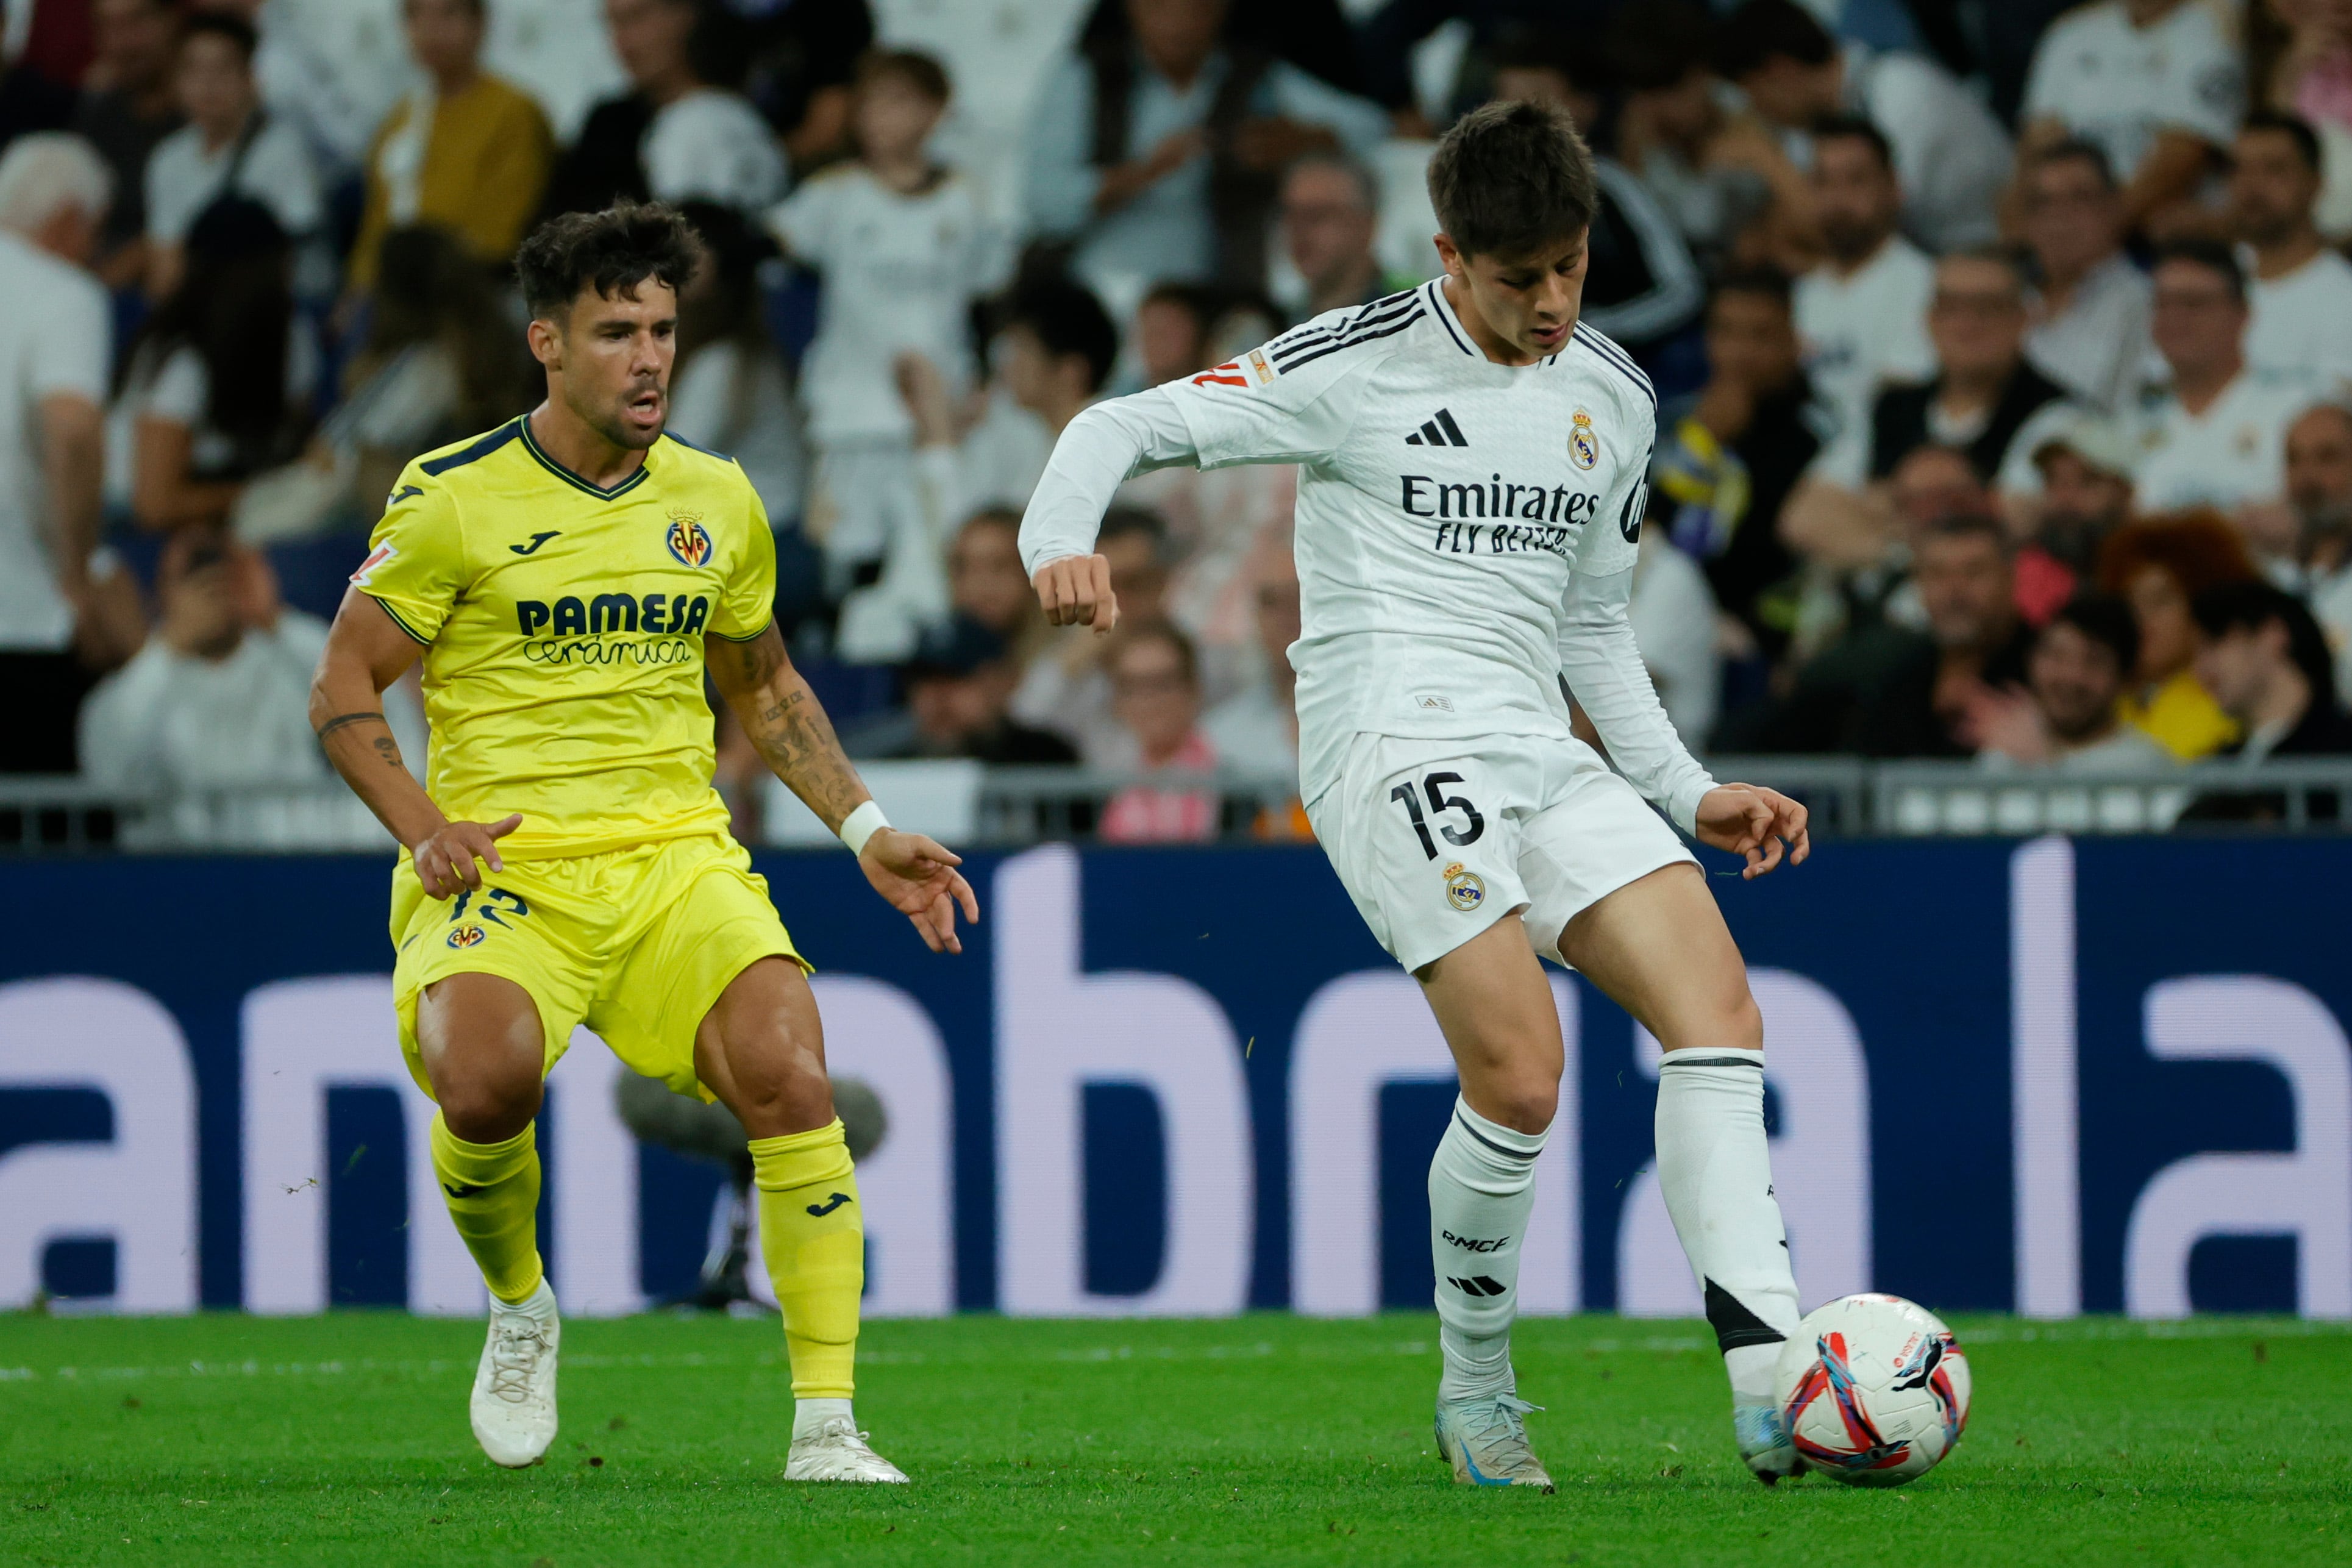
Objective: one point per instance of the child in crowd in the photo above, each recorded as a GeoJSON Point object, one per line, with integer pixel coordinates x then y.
{"type": "Point", "coordinates": [904, 246]}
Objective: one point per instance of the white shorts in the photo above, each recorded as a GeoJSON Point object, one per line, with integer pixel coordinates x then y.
{"type": "Point", "coordinates": [1436, 840]}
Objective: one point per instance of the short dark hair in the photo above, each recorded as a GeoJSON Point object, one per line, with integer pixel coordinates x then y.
{"type": "Point", "coordinates": [2210, 253]}
{"type": "Point", "coordinates": [611, 251]}
{"type": "Point", "coordinates": [1765, 30]}
{"type": "Point", "coordinates": [2106, 619]}
{"type": "Point", "coordinates": [2294, 127]}
{"type": "Point", "coordinates": [2077, 150]}
{"type": "Point", "coordinates": [1767, 280]}
{"type": "Point", "coordinates": [1066, 318]}
{"type": "Point", "coordinates": [1188, 656]}
{"type": "Point", "coordinates": [2248, 606]}
{"type": "Point", "coordinates": [1120, 521]}
{"type": "Point", "coordinates": [1854, 127]}
{"type": "Point", "coordinates": [1655, 45]}
{"type": "Point", "coordinates": [915, 68]}
{"type": "Point", "coordinates": [240, 33]}
{"type": "Point", "coordinates": [1969, 525]}
{"type": "Point", "coordinates": [1510, 178]}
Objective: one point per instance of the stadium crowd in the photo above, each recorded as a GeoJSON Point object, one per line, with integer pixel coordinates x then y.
{"type": "Point", "coordinates": [2004, 350]}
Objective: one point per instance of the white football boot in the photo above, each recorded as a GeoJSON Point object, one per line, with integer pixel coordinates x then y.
{"type": "Point", "coordinates": [834, 1450]}
{"type": "Point", "coordinates": [1762, 1434]}
{"type": "Point", "coordinates": [514, 1387]}
{"type": "Point", "coordinates": [1487, 1441]}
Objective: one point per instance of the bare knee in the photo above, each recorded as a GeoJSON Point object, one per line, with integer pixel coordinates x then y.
{"type": "Point", "coordinates": [1734, 1022]}
{"type": "Point", "coordinates": [481, 1109]}
{"type": "Point", "coordinates": [1523, 1104]}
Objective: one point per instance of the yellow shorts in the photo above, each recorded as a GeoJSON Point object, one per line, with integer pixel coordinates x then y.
{"type": "Point", "coordinates": [636, 944]}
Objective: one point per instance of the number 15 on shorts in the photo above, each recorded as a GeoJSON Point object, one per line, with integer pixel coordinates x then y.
{"type": "Point", "coordinates": [1441, 807]}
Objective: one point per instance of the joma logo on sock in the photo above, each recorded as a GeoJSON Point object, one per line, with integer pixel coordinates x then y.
{"type": "Point", "coordinates": [1471, 1244]}
{"type": "Point", "coordinates": [831, 1204]}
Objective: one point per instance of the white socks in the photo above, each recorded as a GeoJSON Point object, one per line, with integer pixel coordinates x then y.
{"type": "Point", "coordinates": [1481, 1189]}
{"type": "Point", "coordinates": [808, 1414]}
{"type": "Point", "coordinates": [1716, 1176]}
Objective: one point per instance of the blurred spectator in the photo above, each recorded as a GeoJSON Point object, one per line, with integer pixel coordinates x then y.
{"type": "Point", "coordinates": [1171, 331]}
{"type": "Point", "coordinates": [219, 697]}
{"type": "Point", "coordinates": [2157, 84]}
{"type": "Point", "coordinates": [1389, 40]}
{"type": "Point", "coordinates": [439, 363]}
{"type": "Point", "coordinates": [2086, 495]}
{"type": "Point", "coordinates": [802, 61]}
{"type": "Point", "coordinates": [1057, 346]}
{"type": "Point", "coordinates": [2158, 565]}
{"type": "Point", "coordinates": [30, 101]}
{"type": "Point", "coordinates": [1156, 696]}
{"type": "Point", "coordinates": [2299, 292]}
{"type": "Point", "coordinates": [1674, 618]}
{"type": "Point", "coordinates": [2267, 664]}
{"type": "Point", "coordinates": [214, 390]}
{"type": "Point", "coordinates": [1066, 690]}
{"type": "Point", "coordinates": [2066, 718]}
{"type": "Point", "coordinates": [1951, 156]}
{"type": "Point", "coordinates": [1155, 152]}
{"type": "Point", "coordinates": [128, 107]}
{"type": "Point", "coordinates": [987, 585]}
{"type": "Point", "coordinates": [730, 391]}
{"type": "Point", "coordinates": [1985, 401]}
{"type": "Point", "coordinates": [2310, 76]}
{"type": "Point", "coordinates": [2091, 306]}
{"type": "Point", "coordinates": [2319, 489]}
{"type": "Point", "coordinates": [1641, 286]}
{"type": "Point", "coordinates": [1862, 314]}
{"type": "Point", "coordinates": [678, 133]}
{"type": "Point", "coordinates": [1331, 213]}
{"type": "Point", "coordinates": [329, 69]}
{"type": "Point", "coordinates": [1256, 731]}
{"type": "Point", "coordinates": [1727, 458]}
{"type": "Point", "coordinates": [1888, 691]}
{"type": "Point", "coordinates": [462, 149]}
{"type": "Point", "coordinates": [2214, 436]}
{"type": "Point", "coordinates": [956, 688]}
{"type": "Point", "coordinates": [904, 246]}
{"type": "Point", "coordinates": [1719, 175]}
{"type": "Point", "coordinates": [230, 147]}
{"type": "Point", "coordinates": [53, 362]}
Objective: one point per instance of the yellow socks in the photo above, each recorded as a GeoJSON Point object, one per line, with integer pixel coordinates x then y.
{"type": "Point", "coordinates": [492, 1190]}
{"type": "Point", "coordinates": [813, 1237]}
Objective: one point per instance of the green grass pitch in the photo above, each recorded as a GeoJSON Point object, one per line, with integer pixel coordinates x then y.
{"type": "Point", "coordinates": [1257, 1440]}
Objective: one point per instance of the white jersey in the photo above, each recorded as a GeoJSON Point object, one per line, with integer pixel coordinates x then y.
{"type": "Point", "coordinates": [1466, 531]}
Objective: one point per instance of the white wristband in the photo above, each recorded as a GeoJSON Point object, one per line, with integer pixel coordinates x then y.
{"type": "Point", "coordinates": [861, 825]}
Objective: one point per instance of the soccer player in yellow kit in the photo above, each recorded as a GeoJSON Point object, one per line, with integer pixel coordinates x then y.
{"type": "Point", "coordinates": [568, 580]}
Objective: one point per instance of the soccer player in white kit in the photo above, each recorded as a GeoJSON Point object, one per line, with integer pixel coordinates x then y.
{"type": "Point", "coordinates": [1472, 468]}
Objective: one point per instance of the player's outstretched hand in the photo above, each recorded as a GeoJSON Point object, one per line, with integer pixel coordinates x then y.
{"type": "Point", "coordinates": [1761, 824]}
{"type": "Point", "coordinates": [920, 880]}
{"type": "Point", "coordinates": [1075, 592]}
{"type": "Point", "coordinates": [444, 862]}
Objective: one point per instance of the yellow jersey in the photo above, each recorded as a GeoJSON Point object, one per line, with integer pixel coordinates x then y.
{"type": "Point", "coordinates": [563, 627]}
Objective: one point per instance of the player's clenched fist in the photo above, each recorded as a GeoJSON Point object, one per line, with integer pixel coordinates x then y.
{"type": "Point", "coordinates": [444, 862]}
{"type": "Point", "coordinates": [1075, 592]}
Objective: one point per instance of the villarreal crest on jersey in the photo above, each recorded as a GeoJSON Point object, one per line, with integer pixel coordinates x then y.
{"type": "Point", "coordinates": [563, 627]}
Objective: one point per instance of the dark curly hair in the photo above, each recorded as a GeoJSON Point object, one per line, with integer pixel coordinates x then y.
{"type": "Point", "coordinates": [611, 251]}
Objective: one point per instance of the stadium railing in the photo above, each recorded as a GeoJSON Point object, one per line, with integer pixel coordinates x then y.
{"type": "Point", "coordinates": [966, 802]}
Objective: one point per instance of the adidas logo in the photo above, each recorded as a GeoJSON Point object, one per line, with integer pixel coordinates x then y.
{"type": "Point", "coordinates": [1440, 431]}
{"type": "Point", "coordinates": [1478, 1285]}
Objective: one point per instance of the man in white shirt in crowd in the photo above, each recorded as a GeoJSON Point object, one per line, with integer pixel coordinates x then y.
{"type": "Point", "coordinates": [1330, 214]}
{"type": "Point", "coordinates": [1256, 731]}
{"type": "Point", "coordinates": [54, 359]}
{"type": "Point", "coordinates": [2157, 84]}
{"type": "Point", "coordinates": [2090, 313]}
{"type": "Point", "coordinates": [230, 146]}
{"type": "Point", "coordinates": [218, 701]}
{"type": "Point", "coordinates": [1952, 155]}
{"type": "Point", "coordinates": [2298, 290]}
{"type": "Point", "coordinates": [1862, 314]}
{"type": "Point", "coordinates": [2215, 435]}
{"type": "Point", "coordinates": [2319, 490]}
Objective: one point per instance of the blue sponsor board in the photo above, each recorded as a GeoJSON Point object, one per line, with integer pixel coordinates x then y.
{"type": "Point", "coordinates": [2096, 1077]}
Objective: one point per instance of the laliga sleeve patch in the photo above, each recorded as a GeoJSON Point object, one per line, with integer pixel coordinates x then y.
{"type": "Point", "coordinates": [377, 557]}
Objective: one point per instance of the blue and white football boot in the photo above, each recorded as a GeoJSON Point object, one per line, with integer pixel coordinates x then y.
{"type": "Point", "coordinates": [1762, 1434]}
{"type": "Point", "coordinates": [1487, 1441]}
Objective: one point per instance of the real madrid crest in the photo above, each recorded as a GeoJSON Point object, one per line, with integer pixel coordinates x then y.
{"type": "Point", "coordinates": [1584, 442]}
{"type": "Point", "coordinates": [1465, 889]}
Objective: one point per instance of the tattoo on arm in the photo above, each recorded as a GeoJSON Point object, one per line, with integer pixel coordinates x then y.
{"type": "Point", "coordinates": [389, 750]}
{"type": "Point", "coordinates": [794, 738]}
{"type": "Point", "coordinates": [340, 720]}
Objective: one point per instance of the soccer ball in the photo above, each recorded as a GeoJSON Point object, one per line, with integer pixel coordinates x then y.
{"type": "Point", "coordinates": [1874, 1389]}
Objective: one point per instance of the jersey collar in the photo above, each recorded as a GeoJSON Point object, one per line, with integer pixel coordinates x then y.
{"type": "Point", "coordinates": [530, 445]}
{"type": "Point", "coordinates": [1443, 308]}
